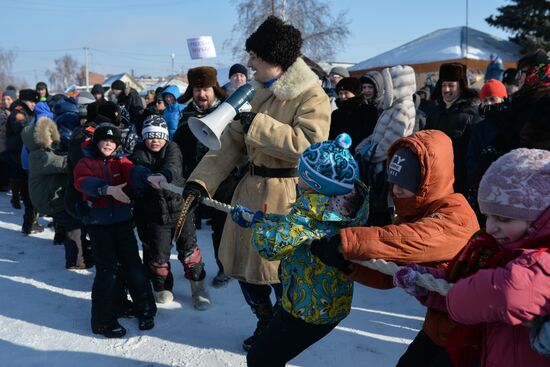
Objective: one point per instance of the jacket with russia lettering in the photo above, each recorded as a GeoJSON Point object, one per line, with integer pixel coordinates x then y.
{"type": "Point", "coordinates": [93, 174]}
{"type": "Point", "coordinates": [430, 228]}
{"type": "Point", "coordinates": [312, 291]}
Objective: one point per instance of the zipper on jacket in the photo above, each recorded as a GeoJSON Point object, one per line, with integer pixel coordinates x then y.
{"type": "Point", "coordinates": [108, 179]}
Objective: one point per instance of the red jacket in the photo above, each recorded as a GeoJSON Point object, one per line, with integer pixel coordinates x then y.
{"type": "Point", "coordinates": [430, 229]}
{"type": "Point", "coordinates": [92, 175]}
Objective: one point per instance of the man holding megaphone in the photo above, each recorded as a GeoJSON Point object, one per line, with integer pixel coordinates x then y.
{"type": "Point", "coordinates": [290, 111]}
{"type": "Point", "coordinates": [202, 96]}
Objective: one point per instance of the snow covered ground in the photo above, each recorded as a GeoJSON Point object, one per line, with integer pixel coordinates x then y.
{"type": "Point", "coordinates": [45, 312]}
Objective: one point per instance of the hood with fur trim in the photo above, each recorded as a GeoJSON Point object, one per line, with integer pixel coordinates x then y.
{"type": "Point", "coordinates": [293, 82]}
{"type": "Point", "coordinates": [399, 84]}
{"type": "Point", "coordinates": [38, 135]}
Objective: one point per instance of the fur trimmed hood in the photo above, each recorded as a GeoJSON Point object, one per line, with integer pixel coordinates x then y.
{"type": "Point", "coordinates": [293, 82]}
{"type": "Point", "coordinates": [399, 83]}
{"type": "Point", "coordinates": [44, 130]}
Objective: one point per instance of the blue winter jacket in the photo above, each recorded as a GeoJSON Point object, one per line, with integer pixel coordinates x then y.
{"type": "Point", "coordinates": [172, 112]}
{"type": "Point", "coordinates": [66, 117]}
{"type": "Point", "coordinates": [312, 291]}
{"type": "Point", "coordinates": [42, 110]}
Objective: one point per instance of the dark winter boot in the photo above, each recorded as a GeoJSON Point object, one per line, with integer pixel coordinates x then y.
{"type": "Point", "coordinates": [112, 330]}
{"type": "Point", "coordinates": [30, 223]}
{"type": "Point", "coordinates": [60, 235]}
{"type": "Point", "coordinates": [220, 280]}
{"type": "Point", "coordinates": [146, 323]}
{"type": "Point", "coordinates": [15, 187]}
{"type": "Point", "coordinates": [264, 313]}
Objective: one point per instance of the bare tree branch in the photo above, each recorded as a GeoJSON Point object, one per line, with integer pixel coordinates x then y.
{"type": "Point", "coordinates": [323, 34]}
{"type": "Point", "coordinates": [65, 72]}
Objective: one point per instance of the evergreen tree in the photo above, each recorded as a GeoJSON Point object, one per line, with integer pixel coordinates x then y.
{"type": "Point", "coordinates": [528, 21]}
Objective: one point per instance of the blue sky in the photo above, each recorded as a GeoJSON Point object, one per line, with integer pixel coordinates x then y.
{"type": "Point", "coordinates": [141, 34]}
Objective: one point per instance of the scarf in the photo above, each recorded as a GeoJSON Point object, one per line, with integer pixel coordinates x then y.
{"type": "Point", "coordinates": [464, 343]}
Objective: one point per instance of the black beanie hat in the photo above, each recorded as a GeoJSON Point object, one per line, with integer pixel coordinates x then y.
{"type": "Point", "coordinates": [404, 169]}
{"type": "Point", "coordinates": [106, 131]}
{"type": "Point", "coordinates": [110, 110]}
{"type": "Point", "coordinates": [28, 95]}
{"type": "Point", "coordinates": [350, 84]}
{"type": "Point", "coordinates": [238, 68]}
{"type": "Point", "coordinates": [98, 89]}
{"type": "Point", "coordinates": [118, 84]}
{"type": "Point", "coordinates": [41, 85]}
{"type": "Point", "coordinates": [275, 42]}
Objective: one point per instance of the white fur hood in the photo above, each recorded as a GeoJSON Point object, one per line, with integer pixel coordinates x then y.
{"type": "Point", "coordinates": [293, 82]}
{"type": "Point", "coordinates": [399, 83]}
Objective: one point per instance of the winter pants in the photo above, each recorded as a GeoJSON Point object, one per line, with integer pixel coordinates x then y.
{"type": "Point", "coordinates": [77, 251]}
{"type": "Point", "coordinates": [112, 245]}
{"type": "Point", "coordinates": [285, 337]}
{"type": "Point", "coordinates": [424, 352]}
{"type": "Point", "coordinates": [157, 244]}
{"type": "Point", "coordinates": [257, 294]}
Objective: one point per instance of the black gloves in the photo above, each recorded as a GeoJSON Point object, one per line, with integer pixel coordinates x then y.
{"type": "Point", "coordinates": [246, 119]}
{"type": "Point", "coordinates": [326, 249]}
{"type": "Point", "coordinates": [197, 191]}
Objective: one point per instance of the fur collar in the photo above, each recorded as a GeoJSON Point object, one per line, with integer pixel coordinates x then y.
{"type": "Point", "coordinates": [297, 79]}
{"type": "Point", "coordinates": [44, 130]}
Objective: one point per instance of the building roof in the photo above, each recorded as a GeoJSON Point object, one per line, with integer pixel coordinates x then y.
{"type": "Point", "coordinates": [444, 44]}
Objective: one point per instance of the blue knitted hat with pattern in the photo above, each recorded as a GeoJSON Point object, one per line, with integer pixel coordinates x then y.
{"type": "Point", "coordinates": [328, 167]}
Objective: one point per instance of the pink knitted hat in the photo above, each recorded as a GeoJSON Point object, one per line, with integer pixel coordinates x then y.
{"type": "Point", "coordinates": [517, 185]}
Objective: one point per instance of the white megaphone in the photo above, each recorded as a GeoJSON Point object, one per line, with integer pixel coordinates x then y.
{"type": "Point", "coordinates": [208, 129]}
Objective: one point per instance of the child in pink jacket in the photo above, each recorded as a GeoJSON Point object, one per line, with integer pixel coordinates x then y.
{"type": "Point", "coordinates": [502, 277]}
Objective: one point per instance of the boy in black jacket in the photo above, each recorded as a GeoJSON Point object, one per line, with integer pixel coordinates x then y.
{"type": "Point", "coordinates": [156, 214]}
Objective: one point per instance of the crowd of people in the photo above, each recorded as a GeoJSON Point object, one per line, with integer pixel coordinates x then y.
{"type": "Point", "coordinates": [324, 170]}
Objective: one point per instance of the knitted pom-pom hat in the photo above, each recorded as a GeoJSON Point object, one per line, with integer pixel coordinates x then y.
{"type": "Point", "coordinates": [328, 167]}
{"type": "Point", "coordinates": [517, 185]}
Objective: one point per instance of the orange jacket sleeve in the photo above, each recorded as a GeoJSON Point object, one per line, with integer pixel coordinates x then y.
{"type": "Point", "coordinates": [436, 237]}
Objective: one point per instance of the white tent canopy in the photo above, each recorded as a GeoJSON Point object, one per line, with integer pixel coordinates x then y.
{"type": "Point", "coordinates": [444, 44]}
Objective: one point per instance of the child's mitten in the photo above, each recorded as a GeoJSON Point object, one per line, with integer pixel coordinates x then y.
{"type": "Point", "coordinates": [245, 217]}
{"type": "Point", "coordinates": [406, 278]}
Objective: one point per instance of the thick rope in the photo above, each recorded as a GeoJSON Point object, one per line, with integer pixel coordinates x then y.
{"type": "Point", "coordinates": [427, 281]}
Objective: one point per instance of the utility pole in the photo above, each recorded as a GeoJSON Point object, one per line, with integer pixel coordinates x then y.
{"type": "Point", "coordinates": [272, 7]}
{"type": "Point", "coordinates": [172, 56]}
{"type": "Point", "coordinates": [467, 40]}
{"type": "Point", "coordinates": [87, 74]}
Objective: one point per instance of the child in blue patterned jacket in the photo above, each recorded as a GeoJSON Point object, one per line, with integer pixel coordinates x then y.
{"type": "Point", "coordinates": [316, 297]}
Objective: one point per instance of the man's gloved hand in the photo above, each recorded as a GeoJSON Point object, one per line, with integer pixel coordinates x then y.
{"type": "Point", "coordinates": [406, 278]}
{"type": "Point", "coordinates": [240, 215]}
{"type": "Point", "coordinates": [197, 191]}
{"type": "Point", "coordinates": [327, 249]}
{"type": "Point", "coordinates": [246, 119]}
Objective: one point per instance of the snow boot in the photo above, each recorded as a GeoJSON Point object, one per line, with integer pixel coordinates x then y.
{"type": "Point", "coordinates": [146, 323]}
{"type": "Point", "coordinates": [264, 313]}
{"type": "Point", "coordinates": [220, 280]}
{"type": "Point", "coordinates": [15, 186]}
{"type": "Point", "coordinates": [201, 299]}
{"type": "Point", "coordinates": [30, 224]}
{"type": "Point", "coordinates": [113, 330]}
{"type": "Point", "coordinates": [164, 297]}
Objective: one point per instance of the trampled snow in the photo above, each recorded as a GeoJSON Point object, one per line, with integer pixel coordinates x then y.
{"type": "Point", "coordinates": [45, 317]}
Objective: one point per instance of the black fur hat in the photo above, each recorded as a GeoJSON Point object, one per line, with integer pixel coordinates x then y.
{"type": "Point", "coordinates": [350, 84]}
{"type": "Point", "coordinates": [454, 72]}
{"type": "Point", "coordinates": [276, 42]}
{"type": "Point", "coordinates": [106, 131]}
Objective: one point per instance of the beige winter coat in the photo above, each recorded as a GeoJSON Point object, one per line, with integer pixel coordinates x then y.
{"type": "Point", "coordinates": [291, 115]}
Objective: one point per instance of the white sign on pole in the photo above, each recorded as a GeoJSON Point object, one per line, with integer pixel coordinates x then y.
{"type": "Point", "coordinates": [201, 47]}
